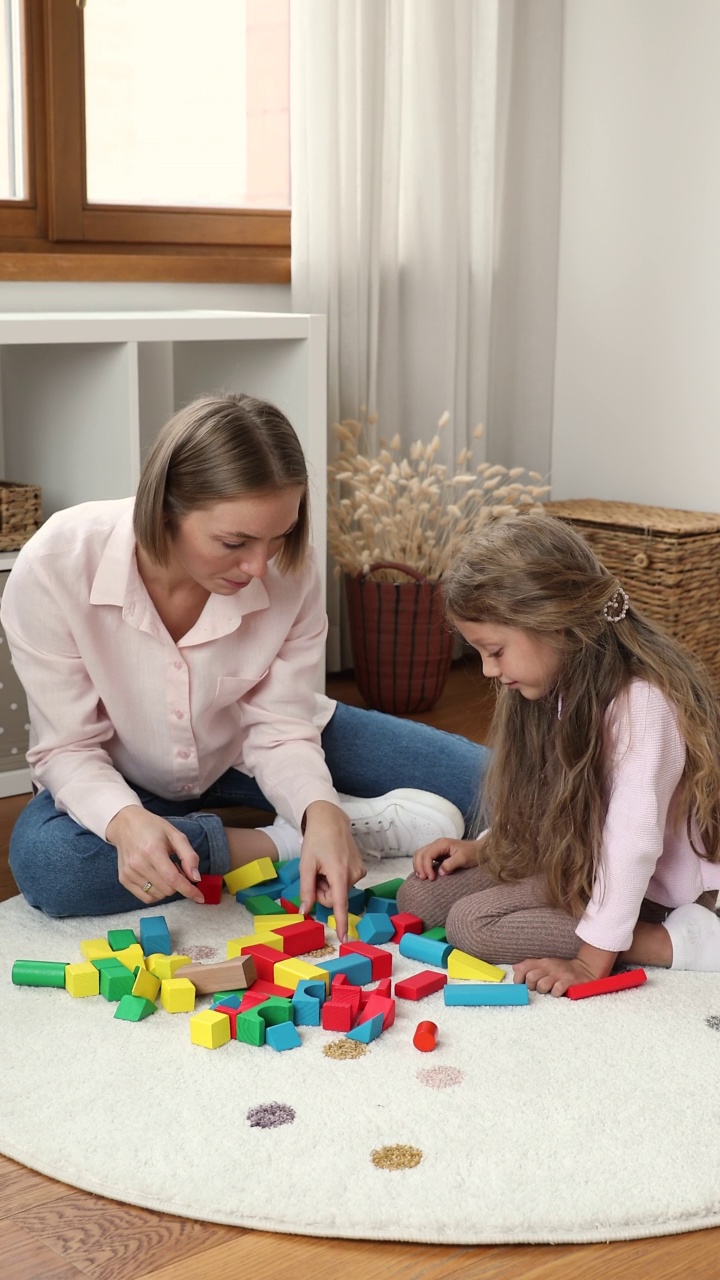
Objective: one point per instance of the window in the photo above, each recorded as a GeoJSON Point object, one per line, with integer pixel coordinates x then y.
{"type": "Point", "coordinates": [145, 140]}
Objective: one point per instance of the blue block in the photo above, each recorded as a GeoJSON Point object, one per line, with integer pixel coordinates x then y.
{"type": "Point", "coordinates": [282, 1036]}
{"type": "Point", "coordinates": [291, 890]}
{"type": "Point", "coordinates": [484, 993]}
{"type": "Point", "coordinates": [307, 1001]}
{"type": "Point", "coordinates": [229, 1001]}
{"type": "Point", "coordinates": [375, 928]}
{"type": "Point", "coordinates": [322, 913]}
{"type": "Point", "coordinates": [288, 871]}
{"type": "Point", "coordinates": [427, 950]}
{"type": "Point", "coordinates": [366, 1031]}
{"type": "Point", "coordinates": [356, 901]}
{"type": "Point", "coordinates": [358, 969]}
{"type": "Point", "coordinates": [271, 889]}
{"type": "Point", "coordinates": [386, 906]}
{"type": "Point", "coordinates": [155, 936]}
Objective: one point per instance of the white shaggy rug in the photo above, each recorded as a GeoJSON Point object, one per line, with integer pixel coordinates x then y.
{"type": "Point", "coordinates": [563, 1121]}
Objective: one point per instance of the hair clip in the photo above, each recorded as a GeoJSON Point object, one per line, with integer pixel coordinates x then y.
{"type": "Point", "coordinates": [617, 606]}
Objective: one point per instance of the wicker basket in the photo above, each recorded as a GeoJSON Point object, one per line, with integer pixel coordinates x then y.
{"type": "Point", "coordinates": [20, 513]}
{"type": "Point", "coordinates": [668, 561]}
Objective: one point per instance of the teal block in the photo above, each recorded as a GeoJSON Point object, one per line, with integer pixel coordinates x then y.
{"type": "Point", "coordinates": [288, 871]}
{"type": "Point", "coordinates": [356, 901]}
{"type": "Point", "coordinates": [358, 969]}
{"type": "Point", "coordinates": [229, 1000]}
{"type": "Point", "coordinates": [321, 913]}
{"type": "Point", "coordinates": [155, 936]}
{"type": "Point", "coordinates": [485, 993]}
{"type": "Point", "coordinates": [366, 1031]}
{"type": "Point", "coordinates": [268, 889]}
{"type": "Point", "coordinates": [375, 928]}
{"type": "Point", "coordinates": [283, 1036]}
{"type": "Point", "coordinates": [385, 906]}
{"type": "Point", "coordinates": [307, 1001]}
{"type": "Point", "coordinates": [426, 950]}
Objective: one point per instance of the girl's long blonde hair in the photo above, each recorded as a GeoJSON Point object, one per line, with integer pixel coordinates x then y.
{"type": "Point", "coordinates": [547, 787]}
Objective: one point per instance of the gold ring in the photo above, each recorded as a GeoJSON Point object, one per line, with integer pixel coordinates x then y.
{"type": "Point", "coordinates": [147, 887]}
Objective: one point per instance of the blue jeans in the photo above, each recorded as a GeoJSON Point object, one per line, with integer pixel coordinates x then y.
{"type": "Point", "coordinates": [65, 870]}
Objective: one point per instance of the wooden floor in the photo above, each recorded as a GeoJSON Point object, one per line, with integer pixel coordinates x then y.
{"type": "Point", "coordinates": [49, 1231]}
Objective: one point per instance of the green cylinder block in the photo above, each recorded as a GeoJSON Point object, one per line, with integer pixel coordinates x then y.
{"type": "Point", "coordinates": [38, 973]}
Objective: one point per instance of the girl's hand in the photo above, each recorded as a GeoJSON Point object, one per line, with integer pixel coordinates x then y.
{"type": "Point", "coordinates": [146, 845]}
{"type": "Point", "coordinates": [329, 862]}
{"type": "Point", "coordinates": [553, 977]}
{"type": "Point", "coordinates": [442, 857]}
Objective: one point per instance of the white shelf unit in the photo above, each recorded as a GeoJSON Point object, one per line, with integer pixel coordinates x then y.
{"type": "Point", "coordinates": [83, 394]}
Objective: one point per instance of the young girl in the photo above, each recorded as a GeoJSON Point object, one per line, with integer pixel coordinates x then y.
{"type": "Point", "coordinates": [604, 786]}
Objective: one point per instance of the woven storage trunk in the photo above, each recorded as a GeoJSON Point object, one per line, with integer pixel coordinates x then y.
{"type": "Point", "coordinates": [668, 561]}
{"type": "Point", "coordinates": [20, 513]}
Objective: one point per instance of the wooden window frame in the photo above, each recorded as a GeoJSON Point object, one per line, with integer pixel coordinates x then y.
{"type": "Point", "coordinates": [56, 235]}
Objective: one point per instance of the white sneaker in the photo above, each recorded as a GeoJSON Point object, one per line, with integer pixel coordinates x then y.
{"type": "Point", "coordinates": [400, 822]}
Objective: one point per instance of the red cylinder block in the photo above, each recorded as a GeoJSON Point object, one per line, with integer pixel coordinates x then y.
{"type": "Point", "coordinates": [425, 1038]}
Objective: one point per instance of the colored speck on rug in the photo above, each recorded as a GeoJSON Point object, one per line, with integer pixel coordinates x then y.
{"type": "Point", "coordinates": [341, 1050]}
{"type": "Point", "coordinates": [200, 954]}
{"type": "Point", "coordinates": [397, 1157]}
{"type": "Point", "coordinates": [713, 1022]}
{"type": "Point", "coordinates": [441, 1077]}
{"type": "Point", "coordinates": [270, 1115]}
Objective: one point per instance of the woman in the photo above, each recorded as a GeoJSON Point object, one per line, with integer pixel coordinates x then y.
{"type": "Point", "coordinates": [170, 646]}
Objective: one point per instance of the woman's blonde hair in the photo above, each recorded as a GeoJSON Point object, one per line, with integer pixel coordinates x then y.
{"type": "Point", "coordinates": [216, 449]}
{"type": "Point", "coordinates": [547, 785]}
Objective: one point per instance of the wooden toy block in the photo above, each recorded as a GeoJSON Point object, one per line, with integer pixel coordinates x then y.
{"type": "Point", "coordinates": [426, 1036]}
{"type": "Point", "coordinates": [275, 1009]}
{"type": "Point", "coordinates": [288, 905]}
{"type": "Point", "coordinates": [381, 906]}
{"type": "Point", "coordinates": [96, 949]}
{"type": "Point", "coordinates": [134, 1008]}
{"type": "Point", "coordinates": [266, 989]}
{"type": "Point", "coordinates": [308, 998]}
{"type": "Point", "coordinates": [209, 978]}
{"type": "Point", "coordinates": [233, 1013]}
{"type": "Point", "coordinates": [379, 1004]}
{"type": "Point", "coordinates": [108, 962]}
{"type": "Point", "coordinates": [367, 1030]}
{"type": "Point", "coordinates": [250, 1028]}
{"type": "Point", "coordinates": [483, 993]}
{"type": "Point", "coordinates": [265, 957]}
{"type": "Point", "coordinates": [603, 986]}
{"type": "Point", "coordinates": [236, 946]}
{"type": "Point", "coordinates": [119, 939]}
{"type": "Point", "coordinates": [383, 988]}
{"type": "Point", "coordinates": [82, 979]}
{"type": "Point", "coordinates": [351, 926]}
{"type": "Point", "coordinates": [387, 889]}
{"type": "Point", "coordinates": [252, 873]}
{"type": "Point", "coordinates": [356, 901]}
{"type": "Point", "coordinates": [230, 1000]}
{"type": "Point", "coordinates": [177, 995]}
{"type": "Point", "coordinates": [299, 938]}
{"type": "Point", "coordinates": [155, 935]}
{"type": "Point", "coordinates": [420, 985]}
{"type": "Point", "coordinates": [164, 966]}
{"type": "Point", "coordinates": [469, 968]}
{"type": "Point", "coordinates": [381, 961]}
{"type": "Point", "coordinates": [132, 956]}
{"type": "Point", "coordinates": [268, 889]}
{"type": "Point", "coordinates": [282, 1036]}
{"type": "Point", "coordinates": [312, 988]}
{"type": "Point", "coordinates": [211, 888]}
{"type": "Point", "coordinates": [289, 972]}
{"type": "Point", "coordinates": [268, 924]}
{"type": "Point", "coordinates": [287, 872]}
{"type": "Point", "coordinates": [116, 983]}
{"type": "Point", "coordinates": [210, 1029]}
{"type": "Point", "coordinates": [262, 905]}
{"type": "Point", "coordinates": [357, 968]}
{"type": "Point", "coordinates": [336, 1017]}
{"type": "Point", "coordinates": [438, 934]}
{"type": "Point", "coordinates": [375, 927]}
{"type": "Point", "coordinates": [347, 993]}
{"type": "Point", "coordinates": [146, 985]}
{"type": "Point", "coordinates": [251, 999]}
{"type": "Point", "coordinates": [426, 950]}
{"type": "Point", "coordinates": [404, 923]}
{"type": "Point", "coordinates": [39, 973]}
{"type": "Point", "coordinates": [322, 914]}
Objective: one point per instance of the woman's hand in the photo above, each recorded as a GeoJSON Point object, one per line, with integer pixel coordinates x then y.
{"type": "Point", "coordinates": [553, 977]}
{"type": "Point", "coordinates": [329, 862]}
{"type": "Point", "coordinates": [146, 845]}
{"type": "Point", "coordinates": [442, 857]}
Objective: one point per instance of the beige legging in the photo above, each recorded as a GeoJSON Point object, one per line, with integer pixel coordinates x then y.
{"type": "Point", "coordinates": [502, 923]}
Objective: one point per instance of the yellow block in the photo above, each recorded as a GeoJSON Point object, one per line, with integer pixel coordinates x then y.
{"type": "Point", "coordinates": [96, 949]}
{"type": "Point", "coordinates": [210, 1029]}
{"type": "Point", "coordinates": [82, 979]}
{"type": "Point", "coordinates": [252, 873]}
{"type": "Point", "coordinates": [288, 973]}
{"type": "Point", "coordinates": [266, 924]}
{"type": "Point", "coordinates": [461, 965]}
{"type": "Point", "coordinates": [131, 956]}
{"type": "Point", "coordinates": [352, 932]}
{"type": "Point", "coordinates": [164, 966]}
{"type": "Point", "coordinates": [177, 995]}
{"type": "Point", "coordinates": [146, 985]}
{"type": "Point", "coordinates": [236, 945]}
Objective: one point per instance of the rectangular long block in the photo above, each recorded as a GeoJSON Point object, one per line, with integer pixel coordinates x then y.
{"type": "Point", "coordinates": [222, 976]}
{"type": "Point", "coordinates": [288, 973]}
{"type": "Point", "coordinates": [252, 873]}
{"type": "Point", "coordinates": [265, 958]}
{"type": "Point", "coordinates": [236, 946]}
{"type": "Point", "coordinates": [483, 993]}
{"type": "Point", "coordinates": [297, 939]}
{"type": "Point", "coordinates": [357, 968]}
{"type": "Point", "coordinates": [381, 960]}
{"type": "Point", "coordinates": [155, 935]}
{"type": "Point", "coordinates": [604, 986]}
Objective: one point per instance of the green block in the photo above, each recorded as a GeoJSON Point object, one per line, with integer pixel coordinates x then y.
{"type": "Point", "coordinates": [119, 939]}
{"type": "Point", "coordinates": [219, 996]}
{"type": "Point", "coordinates": [262, 906]}
{"type": "Point", "coordinates": [134, 1008]}
{"type": "Point", "coordinates": [438, 933]}
{"type": "Point", "coordinates": [388, 889]}
{"type": "Point", "coordinates": [109, 964]}
{"type": "Point", "coordinates": [249, 1028]}
{"type": "Point", "coordinates": [38, 973]}
{"type": "Point", "coordinates": [275, 1009]}
{"type": "Point", "coordinates": [116, 984]}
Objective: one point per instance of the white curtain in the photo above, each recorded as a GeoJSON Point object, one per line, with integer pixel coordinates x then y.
{"type": "Point", "coordinates": [402, 114]}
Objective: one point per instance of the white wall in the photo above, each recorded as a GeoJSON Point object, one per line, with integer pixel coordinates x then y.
{"type": "Point", "coordinates": [637, 376]}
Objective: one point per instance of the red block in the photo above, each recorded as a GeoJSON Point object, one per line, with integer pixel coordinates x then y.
{"type": "Point", "coordinates": [425, 1038]}
{"type": "Point", "coordinates": [250, 1000]}
{"type": "Point", "coordinates": [232, 1015]}
{"type": "Point", "coordinates": [211, 888]}
{"type": "Point", "coordinates": [265, 959]}
{"type": "Point", "coordinates": [420, 984]}
{"type": "Point", "coordinates": [602, 986]}
{"type": "Point", "coordinates": [309, 935]}
{"type": "Point", "coordinates": [288, 906]}
{"type": "Point", "coordinates": [265, 988]}
{"type": "Point", "coordinates": [336, 1017]}
{"type": "Point", "coordinates": [380, 959]}
{"type": "Point", "coordinates": [383, 988]}
{"type": "Point", "coordinates": [348, 994]}
{"type": "Point", "coordinates": [405, 922]}
{"type": "Point", "coordinates": [379, 1004]}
